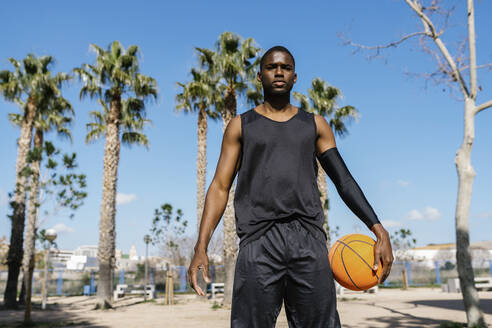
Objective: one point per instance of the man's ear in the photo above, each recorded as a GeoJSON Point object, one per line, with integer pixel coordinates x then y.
{"type": "Point", "coordinates": [258, 76]}
{"type": "Point", "coordinates": [295, 77]}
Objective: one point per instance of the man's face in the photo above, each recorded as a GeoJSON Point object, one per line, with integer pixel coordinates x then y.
{"type": "Point", "coordinates": [277, 75]}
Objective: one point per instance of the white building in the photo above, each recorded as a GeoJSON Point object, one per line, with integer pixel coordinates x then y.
{"type": "Point", "coordinates": [481, 253]}
{"type": "Point", "coordinates": [86, 250]}
{"type": "Point", "coordinates": [128, 264]}
{"type": "Point", "coordinates": [83, 258]}
{"type": "Point", "coordinates": [82, 262]}
{"type": "Point", "coordinates": [59, 257]}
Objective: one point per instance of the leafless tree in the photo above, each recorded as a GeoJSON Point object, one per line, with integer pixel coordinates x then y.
{"type": "Point", "coordinates": [434, 17]}
{"type": "Point", "coordinates": [402, 242]}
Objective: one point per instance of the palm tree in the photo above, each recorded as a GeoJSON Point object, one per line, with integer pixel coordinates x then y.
{"type": "Point", "coordinates": [233, 64]}
{"type": "Point", "coordinates": [30, 85]}
{"type": "Point", "coordinates": [323, 101]}
{"type": "Point", "coordinates": [199, 95]}
{"type": "Point", "coordinates": [57, 115]}
{"type": "Point", "coordinates": [121, 90]}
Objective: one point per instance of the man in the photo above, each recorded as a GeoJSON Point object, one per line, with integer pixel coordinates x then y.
{"type": "Point", "coordinates": [279, 217]}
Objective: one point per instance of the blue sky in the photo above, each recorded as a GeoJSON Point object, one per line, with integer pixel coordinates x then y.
{"type": "Point", "coordinates": [401, 151]}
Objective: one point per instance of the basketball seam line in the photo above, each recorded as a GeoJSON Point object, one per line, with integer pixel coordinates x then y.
{"type": "Point", "coordinates": [335, 250]}
{"type": "Point", "coordinates": [359, 255]}
{"type": "Point", "coordinates": [346, 271]}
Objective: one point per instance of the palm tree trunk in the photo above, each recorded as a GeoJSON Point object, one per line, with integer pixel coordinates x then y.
{"type": "Point", "coordinates": [14, 256]}
{"type": "Point", "coordinates": [32, 218]}
{"type": "Point", "coordinates": [466, 173]}
{"type": "Point", "coordinates": [107, 232]}
{"type": "Point", "coordinates": [323, 191]}
{"type": "Point", "coordinates": [230, 236]}
{"type": "Point", "coordinates": [201, 164]}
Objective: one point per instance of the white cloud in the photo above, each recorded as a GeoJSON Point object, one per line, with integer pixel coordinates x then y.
{"type": "Point", "coordinates": [414, 215]}
{"type": "Point", "coordinates": [125, 198]}
{"type": "Point", "coordinates": [402, 183]}
{"type": "Point", "coordinates": [431, 213]}
{"type": "Point", "coordinates": [391, 224]}
{"type": "Point", "coordinates": [485, 215]}
{"type": "Point", "coordinates": [428, 214]}
{"type": "Point", "coordinates": [61, 228]}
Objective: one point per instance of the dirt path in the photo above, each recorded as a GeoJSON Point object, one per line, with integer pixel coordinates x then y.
{"type": "Point", "coordinates": [388, 308]}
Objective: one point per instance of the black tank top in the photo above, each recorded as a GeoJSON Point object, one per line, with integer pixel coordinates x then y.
{"type": "Point", "coordinates": [277, 177]}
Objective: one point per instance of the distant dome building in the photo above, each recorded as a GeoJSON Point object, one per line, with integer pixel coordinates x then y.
{"type": "Point", "coordinates": [133, 253]}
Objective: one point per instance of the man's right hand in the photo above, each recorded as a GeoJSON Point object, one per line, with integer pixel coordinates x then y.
{"type": "Point", "coordinates": [199, 261]}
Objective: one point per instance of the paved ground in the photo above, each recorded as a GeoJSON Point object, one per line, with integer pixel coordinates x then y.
{"type": "Point", "coordinates": [420, 307]}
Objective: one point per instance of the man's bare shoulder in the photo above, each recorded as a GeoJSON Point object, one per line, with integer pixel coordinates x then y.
{"type": "Point", "coordinates": [324, 134]}
{"type": "Point", "coordinates": [322, 125]}
{"type": "Point", "coordinates": [233, 129]}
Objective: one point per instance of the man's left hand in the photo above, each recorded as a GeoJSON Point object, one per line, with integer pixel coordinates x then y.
{"type": "Point", "coordinates": [382, 251]}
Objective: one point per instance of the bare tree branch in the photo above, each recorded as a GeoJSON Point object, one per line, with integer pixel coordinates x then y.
{"type": "Point", "coordinates": [464, 68]}
{"type": "Point", "coordinates": [380, 47]}
{"type": "Point", "coordinates": [449, 68]}
{"type": "Point", "coordinates": [447, 65]}
{"type": "Point", "coordinates": [429, 27]}
{"type": "Point", "coordinates": [472, 49]}
{"type": "Point", "coordinates": [437, 78]}
{"type": "Point", "coordinates": [483, 106]}
{"type": "Point", "coordinates": [441, 62]}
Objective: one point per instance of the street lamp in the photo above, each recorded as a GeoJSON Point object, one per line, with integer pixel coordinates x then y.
{"type": "Point", "coordinates": [50, 236]}
{"type": "Point", "coordinates": [147, 240]}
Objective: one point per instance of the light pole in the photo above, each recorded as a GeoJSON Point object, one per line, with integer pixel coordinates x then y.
{"type": "Point", "coordinates": [147, 240]}
{"type": "Point", "coordinates": [50, 235]}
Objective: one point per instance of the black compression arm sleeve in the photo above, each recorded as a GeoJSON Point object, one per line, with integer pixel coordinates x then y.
{"type": "Point", "coordinates": [347, 188]}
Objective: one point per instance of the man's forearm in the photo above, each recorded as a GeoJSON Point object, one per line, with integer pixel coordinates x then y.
{"type": "Point", "coordinates": [347, 187]}
{"type": "Point", "coordinates": [215, 203]}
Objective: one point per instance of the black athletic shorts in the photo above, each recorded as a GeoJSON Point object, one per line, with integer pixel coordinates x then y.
{"type": "Point", "coordinates": [287, 264]}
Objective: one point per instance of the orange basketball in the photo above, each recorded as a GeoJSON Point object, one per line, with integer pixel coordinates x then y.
{"type": "Point", "coordinates": [352, 258]}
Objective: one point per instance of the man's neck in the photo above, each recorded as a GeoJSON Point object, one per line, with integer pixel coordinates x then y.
{"type": "Point", "coordinates": [276, 103]}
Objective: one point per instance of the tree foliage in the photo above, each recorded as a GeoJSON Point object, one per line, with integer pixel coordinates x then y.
{"type": "Point", "coordinates": [232, 65]}
{"type": "Point", "coordinates": [168, 227]}
{"type": "Point", "coordinates": [322, 99]}
{"type": "Point", "coordinates": [31, 80]}
{"type": "Point", "coordinates": [63, 189]}
{"type": "Point", "coordinates": [199, 94]}
{"type": "Point", "coordinates": [115, 76]}
{"type": "Point", "coordinates": [402, 241]}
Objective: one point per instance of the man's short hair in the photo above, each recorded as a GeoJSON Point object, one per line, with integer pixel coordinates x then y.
{"type": "Point", "coordinates": [273, 49]}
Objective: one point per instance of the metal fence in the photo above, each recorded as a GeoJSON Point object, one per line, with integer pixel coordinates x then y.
{"type": "Point", "coordinates": [70, 282]}
{"type": "Point", "coordinates": [420, 274]}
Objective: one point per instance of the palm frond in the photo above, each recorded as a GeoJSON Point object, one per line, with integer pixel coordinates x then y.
{"type": "Point", "coordinates": [145, 86]}
{"type": "Point", "coordinates": [115, 76]}
{"type": "Point", "coordinates": [303, 101]}
{"type": "Point", "coordinates": [98, 50]}
{"type": "Point", "coordinates": [323, 99]}
{"type": "Point", "coordinates": [131, 138]}
{"type": "Point", "coordinates": [10, 86]}
{"type": "Point", "coordinates": [33, 80]}
{"type": "Point", "coordinates": [132, 50]}
{"type": "Point", "coordinates": [206, 58]}
{"type": "Point", "coordinates": [95, 130]}
{"type": "Point", "coordinates": [16, 63]}
{"type": "Point", "coordinates": [116, 49]}
{"type": "Point", "coordinates": [15, 119]}
{"type": "Point", "coordinates": [134, 105]}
